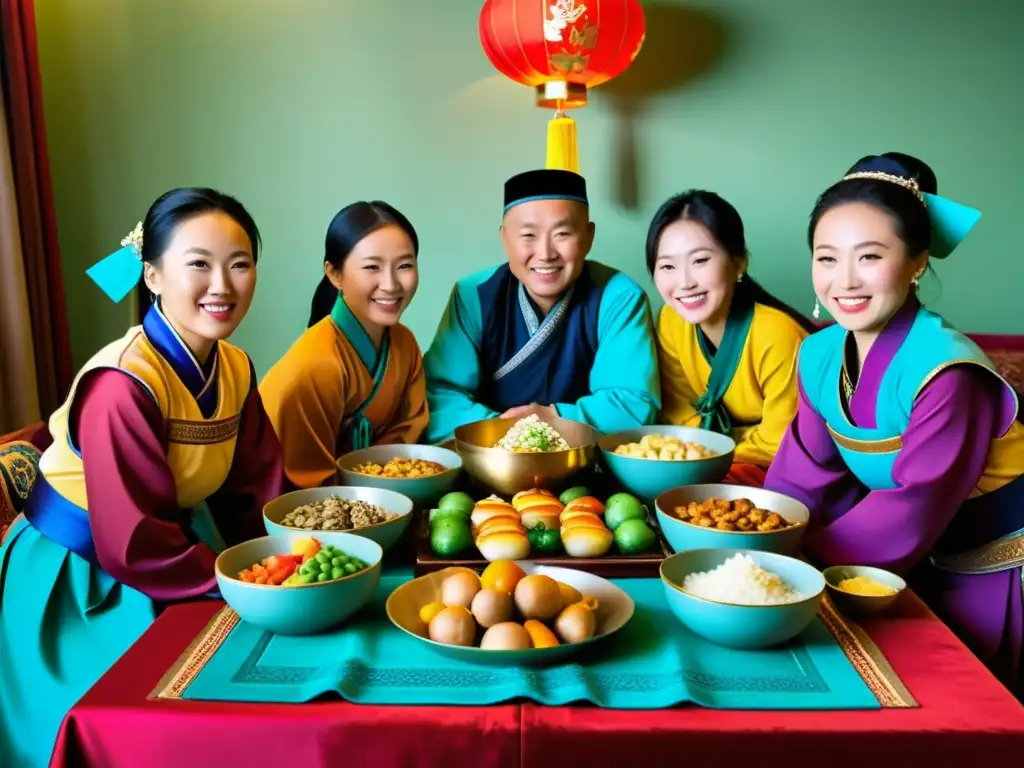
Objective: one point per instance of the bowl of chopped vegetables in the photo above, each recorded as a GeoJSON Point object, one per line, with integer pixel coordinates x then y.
{"type": "Point", "coordinates": [511, 455]}
{"type": "Point", "coordinates": [374, 513]}
{"type": "Point", "coordinates": [298, 584]}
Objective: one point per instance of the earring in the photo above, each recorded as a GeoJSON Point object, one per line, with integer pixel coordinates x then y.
{"type": "Point", "coordinates": [739, 279]}
{"type": "Point", "coordinates": [817, 310]}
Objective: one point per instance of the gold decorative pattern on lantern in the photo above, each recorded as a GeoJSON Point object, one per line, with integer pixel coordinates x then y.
{"type": "Point", "coordinates": [583, 38]}
{"type": "Point", "coordinates": [574, 57]}
{"type": "Point", "coordinates": [569, 63]}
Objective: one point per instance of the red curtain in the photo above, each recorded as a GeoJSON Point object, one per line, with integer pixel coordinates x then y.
{"type": "Point", "coordinates": [22, 87]}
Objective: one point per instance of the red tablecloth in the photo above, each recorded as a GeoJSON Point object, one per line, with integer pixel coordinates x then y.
{"type": "Point", "coordinates": [965, 715]}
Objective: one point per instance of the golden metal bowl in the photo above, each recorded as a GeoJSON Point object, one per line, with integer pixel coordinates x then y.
{"type": "Point", "coordinates": [508, 473]}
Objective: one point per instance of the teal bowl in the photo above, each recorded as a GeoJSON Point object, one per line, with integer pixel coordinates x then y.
{"type": "Point", "coordinates": [861, 606]}
{"type": "Point", "coordinates": [424, 491]}
{"type": "Point", "coordinates": [682, 536]}
{"type": "Point", "coordinates": [732, 625]}
{"type": "Point", "coordinates": [649, 478]}
{"type": "Point", "coordinates": [385, 534]}
{"type": "Point", "coordinates": [301, 609]}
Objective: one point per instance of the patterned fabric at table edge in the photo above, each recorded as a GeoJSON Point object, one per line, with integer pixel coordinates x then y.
{"type": "Point", "coordinates": [19, 467]}
{"type": "Point", "coordinates": [866, 658]}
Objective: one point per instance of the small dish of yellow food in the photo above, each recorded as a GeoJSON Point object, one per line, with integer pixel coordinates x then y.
{"type": "Point", "coordinates": [862, 590]}
{"type": "Point", "coordinates": [866, 587]}
{"type": "Point", "coordinates": [664, 448]}
{"type": "Point", "coordinates": [400, 467]}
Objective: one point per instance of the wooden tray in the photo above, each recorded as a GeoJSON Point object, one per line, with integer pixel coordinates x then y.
{"type": "Point", "coordinates": [612, 565]}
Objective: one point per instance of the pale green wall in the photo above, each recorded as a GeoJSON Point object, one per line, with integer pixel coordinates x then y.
{"type": "Point", "coordinates": [301, 106]}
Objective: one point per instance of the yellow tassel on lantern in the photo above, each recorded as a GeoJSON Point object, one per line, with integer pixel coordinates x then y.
{"type": "Point", "coordinates": [563, 153]}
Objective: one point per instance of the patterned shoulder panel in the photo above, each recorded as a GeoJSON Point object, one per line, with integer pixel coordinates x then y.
{"type": "Point", "coordinates": [19, 468]}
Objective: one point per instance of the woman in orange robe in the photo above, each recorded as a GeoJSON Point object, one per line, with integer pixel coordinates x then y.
{"type": "Point", "coordinates": [355, 377]}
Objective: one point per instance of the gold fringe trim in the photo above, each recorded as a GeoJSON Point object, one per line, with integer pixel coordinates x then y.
{"type": "Point", "coordinates": [191, 662]}
{"type": "Point", "coordinates": [870, 663]}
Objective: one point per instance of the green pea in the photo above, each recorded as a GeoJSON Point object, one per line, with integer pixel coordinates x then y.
{"type": "Point", "coordinates": [323, 576]}
{"type": "Point", "coordinates": [349, 568]}
{"type": "Point", "coordinates": [337, 573]}
{"type": "Point", "coordinates": [343, 558]}
{"type": "Point", "coordinates": [322, 557]}
{"type": "Point", "coordinates": [331, 551]}
{"type": "Point", "coordinates": [336, 562]}
{"type": "Point", "coordinates": [359, 564]}
{"type": "Point", "coordinates": [325, 567]}
{"type": "Point", "coordinates": [307, 578]}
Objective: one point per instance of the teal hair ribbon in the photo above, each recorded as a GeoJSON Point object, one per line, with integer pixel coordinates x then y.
{"type": "Point", "coordinates": [951, 223]}
{"type": "Point", "coordinates": [117, 274]}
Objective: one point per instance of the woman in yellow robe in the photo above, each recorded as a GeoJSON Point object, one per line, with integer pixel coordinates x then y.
{"type": "Point", "coordinates": [355, 377]}
{"type": "Point", "coordinates": [727, 348]}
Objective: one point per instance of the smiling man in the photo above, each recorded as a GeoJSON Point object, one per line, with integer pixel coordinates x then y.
{"type": "Point", "coordinates": [549, 332]}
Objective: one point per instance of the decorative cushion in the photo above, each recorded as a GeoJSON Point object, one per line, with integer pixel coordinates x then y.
{"type": "Point", "coordinates": [1007, 353]}
{"type": "Point", "coordinates": [19, 468]}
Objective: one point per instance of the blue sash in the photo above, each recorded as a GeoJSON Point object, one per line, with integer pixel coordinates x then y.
{"type": "Point", "coordinates": [60, 520]}
{"type": "Point", "coordinates": [67, 524]}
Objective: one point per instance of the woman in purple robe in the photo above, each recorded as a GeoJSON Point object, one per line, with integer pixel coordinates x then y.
{"type": "Point", "coordinates": [905, 445]}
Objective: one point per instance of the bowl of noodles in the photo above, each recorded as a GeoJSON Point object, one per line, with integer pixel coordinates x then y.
{"type": "Point", "coordinates": [510, 455]}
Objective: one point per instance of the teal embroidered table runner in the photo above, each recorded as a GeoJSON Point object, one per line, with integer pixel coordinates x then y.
{"type": "Point", "coordinates": [652, 663]}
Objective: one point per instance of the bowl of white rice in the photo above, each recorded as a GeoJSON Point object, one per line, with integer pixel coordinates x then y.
{"type": "Point", "coordinates": [742, 598]}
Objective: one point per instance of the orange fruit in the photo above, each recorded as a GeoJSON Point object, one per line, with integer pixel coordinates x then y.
{"type": "Point", "coordinates": [502, 575]}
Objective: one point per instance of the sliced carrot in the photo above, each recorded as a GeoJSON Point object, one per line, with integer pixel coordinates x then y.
{"type": "Point", "coordinates": [541, 636]}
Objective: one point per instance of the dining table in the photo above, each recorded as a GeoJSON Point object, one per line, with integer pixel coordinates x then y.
{"type": "Point", "coordinates": [962, 713]}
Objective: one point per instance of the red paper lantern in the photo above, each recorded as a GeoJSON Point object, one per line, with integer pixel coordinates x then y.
{"type": "Point", "coordinates": [561, 48]}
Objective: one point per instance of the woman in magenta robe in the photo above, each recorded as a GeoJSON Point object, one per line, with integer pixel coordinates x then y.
{"type": "Point", "coordinates": [905, 445]}
{"type": "Point", "coordinates": [162, 453]}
